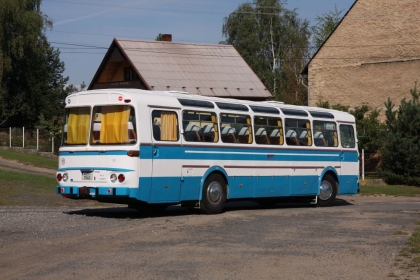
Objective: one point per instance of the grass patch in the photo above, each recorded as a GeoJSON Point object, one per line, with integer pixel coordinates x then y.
{"type": "Point", "coordinates": [400, 232]}
{"type": "Point", "coordinates": [23, 189]}
{"type": "Point", "coordinates": [30, 159]}
{"type": "Point", "coordinates": [394, 190]}
{"type": "Point", "coordinates": [20, 189]}
{"type": "Point", "coordinates": [411, 251]}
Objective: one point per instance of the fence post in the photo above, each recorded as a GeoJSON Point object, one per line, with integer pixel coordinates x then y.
{"type": "Point", "coordinates": [363, 164]}
{"type": "Point", "coordinates": [23, 137]}
{"type": "Point", "coordinates": [52, 145]}
{"type": "Point", "coordinates": [10, 137]}
{"type": "Point", "coordinates": [37, 139]}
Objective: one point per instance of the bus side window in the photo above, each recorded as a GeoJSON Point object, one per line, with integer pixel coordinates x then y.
{"type": "Point", "coordinates": [347, 136]}
{"type": "Point", "coordinates": [236, 128]}
{"type": "Point", "coordinates": [268, 130]}
{"type": "Point", "coordinates": [156, 132]}
{"type": "Point", "coordinates": [96, 132]}
{"type": "Point", "coordinates": [199, 126]}
{"type": "Point", "coordinates": [132, 137]}
{"type": "Point", "coordinates": [298, 132]}
{"type": "Point", "coordinates": [325, 134]}
{"type": "Point", "coordinates": [291, 138]}
{"type": "Point", "coordinates": [165, 125]}
{"type": "Point", "coordinates": [319, 139]}
{"type": "Point", "coordinates": [261, 136]}
{"type": "Point", "coordinates": [228, 134]}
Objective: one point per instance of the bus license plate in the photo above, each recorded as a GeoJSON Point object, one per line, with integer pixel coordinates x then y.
{"type": "Point", "coordinates": [87, 176]}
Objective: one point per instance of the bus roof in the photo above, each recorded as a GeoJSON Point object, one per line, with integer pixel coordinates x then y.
{"type": "Point", "coordinates": [170, 98]}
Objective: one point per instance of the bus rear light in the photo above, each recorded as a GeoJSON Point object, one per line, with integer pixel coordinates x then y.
{"type": "Point", "coordinates": [59, 177]}
{"type": "Point", "coordinates": [113, 178]}
{"type": "Point", "coordinates": [127, 100]}
{"type": "Point", "coordinates": [61, 190]}
{"type": "Point", "coordinates": [133, 153]}
{"type": "Point", "coordinates": [121, 178]}
{"type": "Point", "coordinates": [109, 191]}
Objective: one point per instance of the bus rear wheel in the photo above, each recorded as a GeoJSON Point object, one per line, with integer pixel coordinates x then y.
{"type": "Point", "coordinates": [328, 191]}
{"type": "Point", "coordinates": [214, 195]}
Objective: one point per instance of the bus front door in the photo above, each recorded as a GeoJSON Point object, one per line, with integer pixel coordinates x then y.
{"type": "Point", "coordinates": [349, 171]}
{"type": "Point", "coordinates": [166, 156]}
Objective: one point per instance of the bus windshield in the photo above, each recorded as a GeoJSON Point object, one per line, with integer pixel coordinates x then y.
{"type": "Point", "coordinates": [107, 125]}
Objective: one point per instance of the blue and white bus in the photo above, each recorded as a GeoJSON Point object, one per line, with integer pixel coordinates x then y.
{"type": "Point", "coordinates": [151, 149]}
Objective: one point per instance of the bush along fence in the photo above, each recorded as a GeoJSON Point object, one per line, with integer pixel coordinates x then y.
{"type": "Point", "coordinates": [31, 139]}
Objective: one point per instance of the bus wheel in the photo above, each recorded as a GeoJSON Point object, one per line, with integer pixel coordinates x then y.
{"type": "Point", "coordinates": [328, 191]}
{"type": "Point", "coordinates": [214, 195]}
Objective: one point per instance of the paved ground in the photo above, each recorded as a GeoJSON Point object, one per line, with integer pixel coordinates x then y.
{"type": "Point", "coordinates": [357, 238]}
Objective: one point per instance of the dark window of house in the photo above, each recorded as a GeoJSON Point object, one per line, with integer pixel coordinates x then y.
{"type": "Point", "coordinates": [130, 74]}
{"type": "Point", "coordinates": [127, 73]}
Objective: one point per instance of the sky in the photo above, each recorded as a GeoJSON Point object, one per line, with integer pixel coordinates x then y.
{"type": "Point", "coordinates": [83, 30]}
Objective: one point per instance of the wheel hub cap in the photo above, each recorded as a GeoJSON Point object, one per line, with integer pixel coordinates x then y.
{"type": "Point", "coordinates": [214, 191]}
{"type": "Point", "coordinates": [326, 190]}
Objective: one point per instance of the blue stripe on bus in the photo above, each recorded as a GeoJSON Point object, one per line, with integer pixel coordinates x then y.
{"type": "Point", "coordinates": [217, 153]}
{"type": "Point", "coordinates": [199, 153]}
{"type": "Point", "coordinates": [95, 168]}
{"type": "Point", "coordinates": [173, 190]}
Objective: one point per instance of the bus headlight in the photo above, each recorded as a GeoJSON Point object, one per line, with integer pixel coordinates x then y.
{"type": "Point", "coordinates": [65, 177]}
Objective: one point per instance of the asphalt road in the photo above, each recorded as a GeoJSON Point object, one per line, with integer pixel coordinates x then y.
{"type": "Point", "coordinates": [357, 238]}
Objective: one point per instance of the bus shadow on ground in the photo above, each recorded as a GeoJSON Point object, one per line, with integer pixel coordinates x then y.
{"type": "Point", "coordinates": [177, 210]}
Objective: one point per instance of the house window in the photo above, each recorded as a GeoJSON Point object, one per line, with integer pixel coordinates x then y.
{"type": "Point", "coordinates": [130, 75]}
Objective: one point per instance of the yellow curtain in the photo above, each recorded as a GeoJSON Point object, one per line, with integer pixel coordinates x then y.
{"type": "Point", "coordinates": [280, 131]}
{"type": "Point", "coordinates": [248, 122]}
{"type": "Point", "coordinates": [78, 126]}
{"type": "Point", "coordinates": [169, 125]}
{"type": "Point", "coordinates": [216, 134]}
{"type": "Point", "coordinates": [308, 126]}
{"type": "Point", "coordinates": [335, 139]}
{"type": "Point", "coordinates": [114, 124]}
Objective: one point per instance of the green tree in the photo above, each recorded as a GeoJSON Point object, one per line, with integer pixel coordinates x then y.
{"type": "Point", "coordinates": [324, 26]}
{"type": "Point", "coordinates": [401, 152]}
{"type": "Point", "coordinates": [369, 128]}
{"type": "Point", "coordinates": [274, 42]}
{"type": "Point", "coordinates": [31, 80]}
{"type": "Point", "coordinates": [159, 37]}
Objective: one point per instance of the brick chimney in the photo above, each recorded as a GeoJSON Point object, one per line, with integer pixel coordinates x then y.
{"type": "Point", "coordinates": [167, 37]}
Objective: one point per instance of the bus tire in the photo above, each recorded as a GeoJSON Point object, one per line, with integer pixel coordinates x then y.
{"type": "Point", "coordinates": [328, 191]}
{"type": "Point", "coordinates": [214, 195]}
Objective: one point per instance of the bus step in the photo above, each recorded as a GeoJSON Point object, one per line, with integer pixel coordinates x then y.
{"type": "Point", "coordinates": [315, 200]}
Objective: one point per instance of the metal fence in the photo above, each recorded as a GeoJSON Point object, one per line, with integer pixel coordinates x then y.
{"type": "Point", "coordinates": [31, 138]}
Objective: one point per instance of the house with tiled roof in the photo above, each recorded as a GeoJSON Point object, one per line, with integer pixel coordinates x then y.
{"type": "Point", "coordinates": [199, 69]}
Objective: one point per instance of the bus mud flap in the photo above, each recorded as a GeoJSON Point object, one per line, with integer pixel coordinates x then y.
{"type": "Point", "coordinates": [83, 191]}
